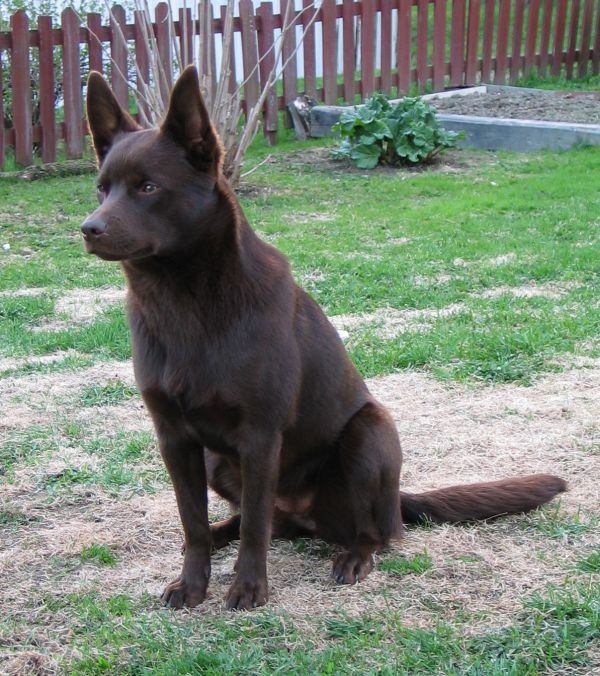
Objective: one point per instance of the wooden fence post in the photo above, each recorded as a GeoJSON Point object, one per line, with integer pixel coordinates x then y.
{"type": "Point", "coordinates": [586, 32]}
{"type": "Point", "coordinates": [162, 18]}
{"type": "Point", "coordinates": [439, 45]}
{"type": "Point", "coordinates": [94, 27]}
{"type": "Point", "coordinates": [266, 39]}
{"type": "Point", "coordinates": [288, 53]}
{"type": "Point", "coordinates": [457, 44]}
{"type": "Point", "coordinates": [367, 48]}
{"type": "Point", "coordinates": [422, 43]}
{"type": "Point", "coordinates": [348, 50]}
{"type": "Point", "coordinates": [596, 52]}
{"type": "Point", "coordinates": [47, 95]}
{"type": "Point", "coordinates": [386, 46]}
{"type": "Point", "coordinates": [73, 131]}
{"type": "Point", "coordinates": [328, 12]}
{"type": "Point", "coordinates": [488, 38]}
{"type": "Point", "coordinates": [472, 41]}
{"type": "Point", "coordinates": [532, 33]}
{"type": "Point", "coordinates": [21, 89]}
{"type": "Point", "coordinates": [2, 130]}
{"type": "Point", "coordinates": [308, 49]}
{"type": "Point", "coordinates": [502, 42]}
{"type": "Point", "coordinates": [404, 44]}
{"type": "Point", "coordinates": [572, 44]}
{"type": "Point", "coordinates": [545, 38]}
{"type": "Point", "coordinates": [250, 54]}
{"type": "Point", "coordinates": [118, 55]}
{"type": "Point", "coordinates": [559, 36]}
{"type": "Point", "coordinates": [515, 59]}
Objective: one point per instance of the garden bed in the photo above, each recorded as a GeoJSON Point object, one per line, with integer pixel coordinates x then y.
{"type": "Point", "coordinates": [510, 102]}
{"type": "Point", "coordinates": [504, 118]}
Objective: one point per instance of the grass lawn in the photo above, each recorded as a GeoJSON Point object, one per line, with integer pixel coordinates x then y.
{"type": "Point", "coordinates": [468, 295]}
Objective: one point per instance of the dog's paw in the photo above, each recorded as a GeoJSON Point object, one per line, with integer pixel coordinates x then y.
{"type": "Point", "coordinates": [180, 593]}
{"type": "Point", "coordinates": [245, 595]}
{"type": "Point", "coordinates": [352, 567]}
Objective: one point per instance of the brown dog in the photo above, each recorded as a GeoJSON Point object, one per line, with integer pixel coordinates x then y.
{"type": "Point", "coordinates": [249, 386]}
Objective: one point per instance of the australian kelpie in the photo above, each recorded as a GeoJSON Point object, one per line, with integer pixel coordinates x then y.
{"type": "Point", "coordinates": [248, 384]}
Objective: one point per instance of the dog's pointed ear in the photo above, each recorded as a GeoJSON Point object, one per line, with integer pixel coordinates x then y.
{"type": "Point", "coordinates": [105, 116]}
{"type": "Point", "coordinates": [188, 124]}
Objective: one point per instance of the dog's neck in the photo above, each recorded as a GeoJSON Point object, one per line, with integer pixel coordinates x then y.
{"type": "Point", "coordinates": [230, 271]}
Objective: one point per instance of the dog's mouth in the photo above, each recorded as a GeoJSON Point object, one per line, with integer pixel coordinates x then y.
{"type": "Point", "coordinates": [107, 255]}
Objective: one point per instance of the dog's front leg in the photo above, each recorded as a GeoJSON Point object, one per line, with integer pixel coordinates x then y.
{"type": "Point", "coordinates": [185, 462]}
{"type": "Point", "coordinates": [259, 460]}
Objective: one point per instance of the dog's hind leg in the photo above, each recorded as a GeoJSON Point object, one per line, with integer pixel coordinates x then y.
{"type": "Point", "coordinates": [357, 503]}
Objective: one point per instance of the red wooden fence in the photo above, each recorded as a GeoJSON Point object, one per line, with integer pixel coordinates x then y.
{"type": "Point", "coordinates": [365, 46]}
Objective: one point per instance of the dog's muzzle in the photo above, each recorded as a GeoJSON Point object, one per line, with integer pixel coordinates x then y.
{"type": "Point", "coordinates": [92, 228]}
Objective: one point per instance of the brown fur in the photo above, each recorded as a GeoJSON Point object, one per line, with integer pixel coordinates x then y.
{"type": "Point", "coordinates": [248, 384]}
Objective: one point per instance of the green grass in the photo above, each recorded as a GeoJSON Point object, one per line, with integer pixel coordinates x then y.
{"type": "Point", "coordinates": [591, 563]}
{"type": "Point", "coordinates": [107, 395]}
{"type": "Point", "coordinates": [554, 631]}
{"type": "Point", "coordinates": [123, 465]}
{"type": "Point", "coordinates": [100, 554]}
{"type": "Point", "coordinates": [360, 241]}
{"type": "Point", "coordinates": [404, 565]}
{"type": "Point", "coordinates": [550, 522]}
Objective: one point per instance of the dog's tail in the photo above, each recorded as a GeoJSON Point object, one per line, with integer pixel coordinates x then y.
{"type": "Point", "coordinates": [482, 500]}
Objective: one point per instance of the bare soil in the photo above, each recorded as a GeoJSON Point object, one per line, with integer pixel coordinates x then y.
{"type": "Point", "coordinates": [575, 107]}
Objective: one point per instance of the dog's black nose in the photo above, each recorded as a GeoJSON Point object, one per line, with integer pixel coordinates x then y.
{"type": "Point", "coordinates": [93, 228]}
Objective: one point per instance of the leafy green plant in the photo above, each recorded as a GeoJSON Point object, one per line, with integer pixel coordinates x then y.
{"type": "Point", "coordinates": [378, 132]}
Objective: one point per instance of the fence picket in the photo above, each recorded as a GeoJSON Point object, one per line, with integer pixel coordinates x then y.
{"type": "Point", "coordinates": [21, 89]}
{"type": "Point", "coordinates": [349, 65]}
{"type": "Point", "coordinates": [47, 95]}
{"type": "Point", "coordinates": [545, 38]}
{"type": "Point", "coordinates": [472, 41]}
{"type": "Point", "coordinates": [328, 14]}
{"type": "Point", "coordinates": [422, 42]}
{"type": "Point", "coordinates": [537, 32]}
{"type": "Point", "coordinates": [532, 33]}
{"type": "Point", "coordinates": [457, 45]}
{"type": "Point", "coordinates": [142, 60]}
{"type": "Point", "coordinates": [162, 20]}
{"type": "Point", "coordinates": [308, 49]}
{"type": "Point", "coordinates": [559, 36]}
{"type": "Point", "coordinates": [596, 52]}
{"type": "Point", "coordinates": [118, 54]}
{"type": "Point", "coordinates": [403, 44]}
{"type": "Point", "coordinates": [267, 61]}
{"type": "Point", "coordinates": [517, 39]}
{"type": "Point", "coordinates": [386, 46]}
{"type": "Point", "coordinates": [249, 54]}
{"type": "Point", "coordinates": [186, 36]}
{"type": "Point", "coordinates": [288, 53]}
{"type": "Point", "coordinates": [488, 37]}
{"type": "Point", "coordinates": [586, 32]}
{"type": "Point", "coordinates": [94, 29]}
{"type": "Point", "coordinates": [572, 43]}
{"type": "Point", "coordinates": [367, 48]}
{"type": "Point", "coordinates": [73, 132]}
{"type": "Point", "coordinates": [502, 42]}
{"type": "Point", "coordinates": [2, 130]}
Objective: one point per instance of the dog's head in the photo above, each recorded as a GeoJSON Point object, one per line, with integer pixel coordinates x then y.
{"type": "Point", "coordinates": [158, 188]}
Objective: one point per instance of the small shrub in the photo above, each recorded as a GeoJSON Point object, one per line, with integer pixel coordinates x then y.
{"type": "Point", "coordinates": [381, 133]}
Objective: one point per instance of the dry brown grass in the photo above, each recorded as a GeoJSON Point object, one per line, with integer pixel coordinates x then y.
{"type": "Point", "coordinates": [450, 434]}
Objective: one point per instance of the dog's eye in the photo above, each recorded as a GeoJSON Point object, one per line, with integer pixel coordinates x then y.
{"type": "Point", "coordinates": [100, 191]}
{"type": "Point", "coordinates": [149, 187]}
